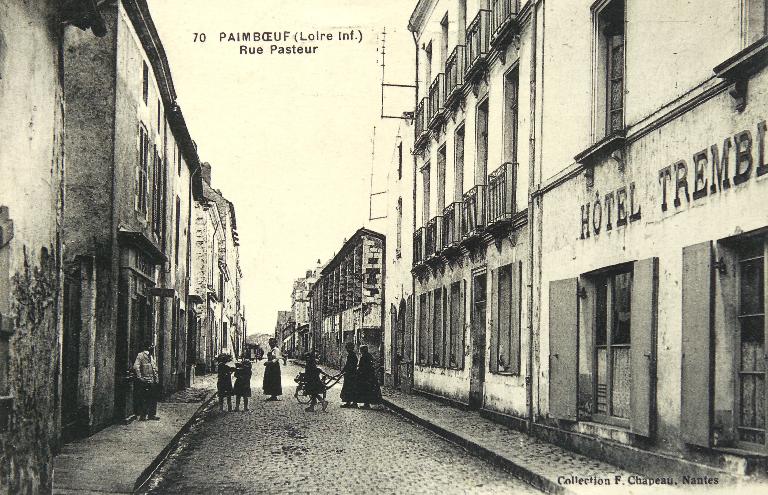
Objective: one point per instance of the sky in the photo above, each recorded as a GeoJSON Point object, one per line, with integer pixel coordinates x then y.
{"type": "Point", "coordinates": [290, 136]}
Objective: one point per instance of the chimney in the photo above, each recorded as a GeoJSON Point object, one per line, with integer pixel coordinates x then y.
{"type": "Point", "coordinates": [206, 172]}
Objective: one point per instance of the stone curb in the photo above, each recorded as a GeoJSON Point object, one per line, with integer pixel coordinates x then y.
{"type": "Point", "coordinates": [158, 461]}
{"type": "Point", "coordinates": [526, 474]}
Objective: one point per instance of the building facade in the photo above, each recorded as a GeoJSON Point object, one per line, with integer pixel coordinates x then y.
{"type": "Point", "coordinates": [348, 299]}
{"type": "Point", "coordinates": [471, 243]}
{"type": "Point", "coordinates": [603, 284]}
{"type": "Point", "coordinates": [400, 221]}
{"type": "Point", "coordinates": [32, 159]}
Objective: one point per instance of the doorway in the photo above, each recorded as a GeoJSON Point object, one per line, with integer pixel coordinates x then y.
{"type": "Point", "coordinates": [477, 372]}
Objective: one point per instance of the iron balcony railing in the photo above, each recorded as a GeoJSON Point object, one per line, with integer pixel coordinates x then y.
{"type": "Point", "coordinates": [454, 74]}
{"type": "Point", "coordinates": [433, 236]}
{"type": "Point", "coordinates": [418, 246]}
{"type": "Point", "coordinates": [436, 99]}
{"type": "Point", "coordinates": [502, 189]}
{"type": "Point", "coordinates": [452, 224]}
{"type": "Point", "coordinates": [503, 17]}
{"type": "Point", "coordinates": [419, 119]}
{"type": "Point", "coordinates": [473, 211]}
{"type": "Point", "coordinates": [478, 42]}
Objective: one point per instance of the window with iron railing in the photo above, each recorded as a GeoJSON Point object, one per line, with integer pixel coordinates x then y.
{"type": "Point", "coordinates": [503, 14]}
{"type": "Point", "coordinates": [473, 211]}
{"type": "Point", "coordinates": [454, 74]}
{"type": "Point", "coordinates": [436, 99]}
{"type": "Point", "coordinates": [478, 42]}
{"type": "Point", "coordinates": [432, 236]}
{"type": "Point", "coordinates": [452, 224]}
{"type": "Point", "coordinates": [502, 188]}
{"type": "Point", "coordinates": [418, 246]}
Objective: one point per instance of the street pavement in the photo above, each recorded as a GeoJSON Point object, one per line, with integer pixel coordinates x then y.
{"type": "Point", "coordinates": [277, 447]}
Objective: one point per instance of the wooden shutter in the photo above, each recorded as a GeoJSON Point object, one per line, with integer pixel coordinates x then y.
{"type": "Point", "coordinates": [696, 406]}
{"type": "Point", "coordinates": [463, 327]}
{"type": "Point", "coordinates": [515, 310]}
{"type": "Point", "coordinates": [645, 283]}
{"type": "Point", "coordinates": [409, 317]}
{"type": "Point", "coordinates": [492, 299]}
{"type": "Point", "coordinates": [563, 348]}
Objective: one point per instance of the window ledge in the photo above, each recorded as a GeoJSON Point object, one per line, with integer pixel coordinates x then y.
{"type": "Point", "coordinates": [746, 62]}
{"type": "Point", "coordinates": [602, 148]}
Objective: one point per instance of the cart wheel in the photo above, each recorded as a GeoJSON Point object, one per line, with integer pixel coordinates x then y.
{"type": "Point", "coordinates": [300, 396]}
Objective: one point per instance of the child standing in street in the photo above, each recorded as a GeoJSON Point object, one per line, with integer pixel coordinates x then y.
{"type": "Point", "coordinates": [314, 385]}
{"type": "Point", "coordinates": [224, 381]}
{"type": "Point", "coordinates": [242, 384]}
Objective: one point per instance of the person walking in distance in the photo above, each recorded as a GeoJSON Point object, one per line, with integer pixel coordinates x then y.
{"type": "Point", "coordinates": [147, 381]}
{"type": "Point", "coordinates": [349, 389]}
{"type": "Point", "coordinates": [224, 381]}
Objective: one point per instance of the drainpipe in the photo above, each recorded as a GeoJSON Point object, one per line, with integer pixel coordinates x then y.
{"type": "Point", "coordinates": [413, 222]}
{"type": "Point", "coordinates": [531, 258]}
{"type": "Point", "coordinates": [190, 210]}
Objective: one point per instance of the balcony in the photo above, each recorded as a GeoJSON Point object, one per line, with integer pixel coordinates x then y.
{"type": "Point", "coordinates": [454, 76]}
{"type": "Point", "coordinates": [478, 43]}
{"type": "Point", "coordinates": [473, 213]}
{"type": "Point", "coordinates": [502, 190]}
{"type": "Point", "coordinates": [503, 21]}
{"type": "Point", "coordinates": [432, 237]}
{"type": "Point", "coordinates": [451, 228]}
{"type": "Point", "coordinates": [420, 122]}
{"type": "Point", "coordinates": [436, 101]}
{"type": "Point", "coordinates": [418, 247]}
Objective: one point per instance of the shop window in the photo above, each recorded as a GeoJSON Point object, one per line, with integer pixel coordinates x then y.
{"type": "Point", "coordinates": [609, 78]}
{"type": "Point", "coordinates": [506, 338]}
{"type": "Point", "coordinates": [612, 378]}
{"type": "Point", "coordinates": [423, 329]}
{"type": "Point", "coordinates": [456, 327]}
{"type": "Point", "coordinates": [438, 328]}
{"type": "Point", "coordinates": [750, 392]}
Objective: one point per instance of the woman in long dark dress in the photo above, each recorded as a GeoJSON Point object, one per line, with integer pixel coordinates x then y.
{"type": "Point", "coordinates": [272, 385]}
{"type": "Point", "coordinates": [368, 389]}
{"type": "Point", "coordinates": [348, 390]}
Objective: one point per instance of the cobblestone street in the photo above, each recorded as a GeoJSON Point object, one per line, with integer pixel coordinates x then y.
{"type": "Point", "coordinates": [277, 447]}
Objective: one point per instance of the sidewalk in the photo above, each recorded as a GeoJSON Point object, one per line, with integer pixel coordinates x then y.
{"type": "Point", "coordinates": [545, 466]}
{"type": "Point", "coordinates": [120, 457]}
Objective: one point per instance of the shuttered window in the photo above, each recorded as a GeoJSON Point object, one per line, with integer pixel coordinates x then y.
{"type": "Point", "coordinates": [563, 345]}
{"type": "Point", "coordinates": [438, 328]}
{"type": "Point", "coordinates": [456, 327]}
{"type": "Point", "coordinates": [423, 329]}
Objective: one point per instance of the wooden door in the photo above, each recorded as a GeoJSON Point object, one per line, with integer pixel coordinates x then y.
{"type": "Point", "coordinates": [477, 372]}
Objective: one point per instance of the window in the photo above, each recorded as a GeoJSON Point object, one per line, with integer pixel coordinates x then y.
{"type": "Point", "coordinates": [610, 66]}
{"type": "Point", "coordinates": [178, 226]}
{"type": "Point", "coordinates": [755, 20]}
{"type": "Point", "coordinates": [224, 341]}
{"type": "Point", "coordinates": [750, 352]}
{"type": "Point", "coordinates": [178, 160]}
{"type": "Point", "coordinates": [458, 165]}
{"type": "Point", "coordinates": [157, 196]}
{"type": "Point", "coordinates": [399, 161]}
{"type": "Point", "coordinates": [145, 82]}
{"type": "Point", "coordinates": [511, 101]}
{"type": "Point", "coordinates": [399, 245]}
{"type": "Point", "coordinates": [481, 164]}
{"type": "Point", "coordinates": [444, 40]}
{"type": "Point", "coordinates": [440, 204]}
{"type": "Point", "coordinates": [456, 330]}
{"type": "Point", "coordinates": [142, 170]}
{"type": "Point", "coordinates": [428, 67]}
{"type": "Point", "coordinates": [612, 377]}
{"type": "Point", "coordinates": [461, 15]}
{"type": "Point", "coordinates": [507, 338]}
{"type": "Point", "coordinates": [423, 329]}
{"type": "Point", "coordinates": [437, 327]}
{"type": "Point", "coordinates": [425, 178]}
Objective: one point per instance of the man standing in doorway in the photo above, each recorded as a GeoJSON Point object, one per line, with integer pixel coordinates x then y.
{"type": "Point", "coordinates": [146, 383]}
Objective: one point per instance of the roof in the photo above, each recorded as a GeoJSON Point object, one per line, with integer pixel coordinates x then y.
{"type": "Point", "coordinates": [419, 15]}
